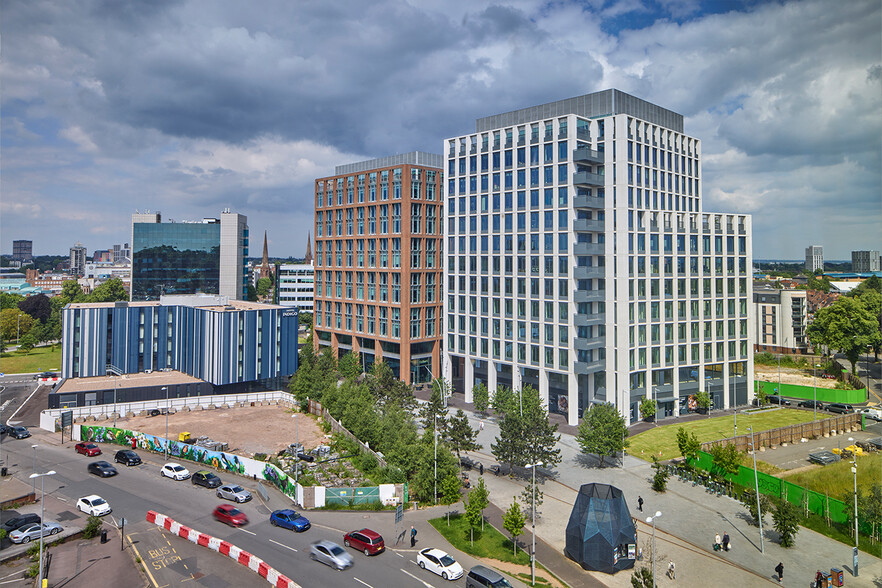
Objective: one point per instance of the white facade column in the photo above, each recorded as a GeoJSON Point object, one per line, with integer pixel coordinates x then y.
{"type": "Point", "coordinates": [543, 387]}
{"type": "Point", "coordinates": [676, 383]}
{"type": "Point", "coordinates": [573, 391]}
{"type": "Point", "coordinates": [726, 384]}
{"type": "Point", "coordinates": [491, 378]}
{"type": "Point", "coordinates": [469, 379]}
{"type": "Point", "coordinates": [446, 368]}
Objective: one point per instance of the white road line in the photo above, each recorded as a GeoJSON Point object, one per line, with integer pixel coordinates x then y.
{"type": "Point", "coordinates": [398, 554]}
{"type": "Point", "coordinates": [362, 581]}
{"type": "Point", "coordinates": [249, 532]}
{"type": "Point", "coordinates": [22, 404]}
{"type": "Point", "coordinates": [282, 545]}
{"type": "Point", "coordinates": [426, 584]}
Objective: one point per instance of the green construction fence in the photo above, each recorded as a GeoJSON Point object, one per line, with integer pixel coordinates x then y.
{"type": "Point", "coordinates": [809, 393]}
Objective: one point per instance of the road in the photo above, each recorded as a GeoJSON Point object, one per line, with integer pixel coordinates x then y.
{"type": "Point", "coordinates": [138, 489]}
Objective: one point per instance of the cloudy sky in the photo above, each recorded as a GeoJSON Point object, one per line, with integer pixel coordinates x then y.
{"type": "Point", "coordinates": [192, 106]}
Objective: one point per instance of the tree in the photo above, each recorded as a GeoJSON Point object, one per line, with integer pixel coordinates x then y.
{"type": "Point", "coordinates": [474, 511]}
{"type": "Point", "coordinates": [71, 292]}
{"type": "Point", "coordinates": [349, 365]}
{"type": "Point", "coordinates": [433, 412]}
{"type": "Point", "coordinates": [660, 478]}
{"type": "Point", "coordinates": [481, 398]}
{"type": "Point", "coordinates": [870, 508]}
{"type": "Point", "coordinates": [305, 320]}
{"type": "Point", "coordinates": [703, 400]}
{"type": "Point", "coordinates": [513, 522]}
{"type": "Point", "coordinates": [420, 465]}
{"type": "Point", "coordinates": [727, 459]}
{"type": "Point", "coordinates": [388, 389]}
{"type": "Point", "coordinates": [38, 306]}
{"type": "Point", "coordinates": [503, 398]}
{"type": "Point", "coordinates": [603, 431]}
{"type": "Point", "coordinates": [647, 409]}
{"type": "Point", "coordinates": [761, 395]}
{"type": "Point", "coordinates": [748, 499]}
{"type": "Point", "coordinates": [38, 332]}
{"type": "Point", "coordinates": [263, 287]}
{"type": "Point", "coordinates": [9, 300]}
{"type": "Point", "coordinates": [481, 496]}
{"type": "Point", "coordinates": [642, 578]}
{"type": "Point", "coordinates": [450, 488]}
{"type": "Point", "coordinates": [14, 323]}
{"type": "Point", "coordinates": [688, 445]}
{"type": "Point", "coordinates": [786, 518]}
{"type": "Point", "coordinates": [527, 497]}
{"type": "Point", "coordinates": [250, 293]}
{"type": "Point", "coordinates": [110, 291]}
{"type": "Point", "coordinates": [26, 343]}
{"type": "Point", "coordinates": [847, 326]}
{"type": "Point", "coordinates": [525, 434]}
{"type": "Point", "coordinates": [460, 434]}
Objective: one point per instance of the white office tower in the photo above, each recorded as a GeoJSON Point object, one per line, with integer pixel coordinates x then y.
{"type": "Point", "coordinates": [579, 261]}
{"type": "Point", "coordinates": [814, 258]}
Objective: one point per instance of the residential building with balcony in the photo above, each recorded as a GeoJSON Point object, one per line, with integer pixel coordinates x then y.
{"type": "Point", "coordinates": [865, 261]}
{"type": "Point", "coordinates": [781, 320]}
{"type": "Point", "coordinates": [814, 258]}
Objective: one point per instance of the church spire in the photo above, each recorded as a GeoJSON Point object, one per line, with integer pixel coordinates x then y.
{"type": "Point", "coordinates": [265, 268]}
{"type": "Point", "coordinates": [308, 248]}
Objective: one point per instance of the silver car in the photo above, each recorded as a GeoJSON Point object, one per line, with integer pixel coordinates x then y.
{"type": "Point", "coordinates": [234, 492]}
{"type": "Point", "coordinates": [329, 553]}
{"type": "Point", "coordinates": [32, 531]}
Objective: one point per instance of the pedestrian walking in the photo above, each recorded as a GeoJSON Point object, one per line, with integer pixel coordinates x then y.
{"type": "Point", "coordinates": [413, 533]}
{"type": "Point", "coordinates": [718, 543]}
{"type": "Point", "coordinates": [779, 569]}
{"type": "Point", "coordinates": [671, 573]}
{"type": "Point", "coordinates": [640, 503]}
{"type": "Point", "coordinates": [481, 468]}
{"type": "Point", "coordinates": [481, 425]}
{"type": "Point", "coordinates": [726, 541]}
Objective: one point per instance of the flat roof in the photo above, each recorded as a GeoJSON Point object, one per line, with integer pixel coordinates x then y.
{"type": "Point", "coordinates": [125, 381]}
{"type": "Point", "coordinates": [231, 305]}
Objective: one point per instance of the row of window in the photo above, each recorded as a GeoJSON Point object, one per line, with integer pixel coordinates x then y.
{"type": "Point", "coordinates": [374, 320]}
{"type": "Point", "coordinates": [719, 351]}
{"type": "Point", "coordinates": [362, 220]}
{"type": "Point", "coordinates": [381, 286]}
{"type": "Point", "coordinates": [506, 350]}
{"type": "Point", "coordinates": [356, 190]}
{"type": "Point", "coordinates": [375, 254]}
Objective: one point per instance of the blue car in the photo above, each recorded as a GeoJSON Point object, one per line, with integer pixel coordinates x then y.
{"type": "Point", "coordinates": [289, 519]}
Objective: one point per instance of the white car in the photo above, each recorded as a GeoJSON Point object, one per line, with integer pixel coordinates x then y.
{"type": "Point", "coordinates": [93, 505]}
{"type": "Point", "coordinates": [175, 471]}
{"type": "Point", "coordinates": [439, 562]}
{"type": "Point", "coordinates": [872, 413]}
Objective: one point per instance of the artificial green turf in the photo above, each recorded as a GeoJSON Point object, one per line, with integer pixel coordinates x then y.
{"type": "Point", "coordinates": [40, 359]}
{"type": "Point", "coordinates": [661, 441]}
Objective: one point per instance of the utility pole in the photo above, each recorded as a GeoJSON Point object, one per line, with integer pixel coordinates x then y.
{"type": "Point", "coordinates": [759, 512]}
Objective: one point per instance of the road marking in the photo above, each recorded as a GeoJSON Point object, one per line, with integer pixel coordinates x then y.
{"type": "Point", "coordinates": [20, 406]}
{"type": "Point", "coordinates": [426, 584]}
{"type": "Point", "coordinates": [146, 569]}
{"type": "Point", "coordinates": [283, 545]}
{"type": "Point", "coordinates": [4, 405]}
{"type": "Point", "coordinates": [329, 528]}
{"type": "Point", "coordinates": [249, 532]}
{"type": "Point", "coordinates": [362, 581]}
{"type": "Point", "coordinates": [398, 554]}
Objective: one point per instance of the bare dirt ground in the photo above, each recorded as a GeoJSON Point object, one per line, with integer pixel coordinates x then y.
{"type": "Point", "coordinates": [247, 430]}
{"type": "Point", "coordinates": [769, 373]}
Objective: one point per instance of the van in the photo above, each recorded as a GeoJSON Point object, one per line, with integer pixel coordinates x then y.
{"type": "Point", "coordinates": [840, 408]}
{"type": "Point", "coordinates": [484, 577]}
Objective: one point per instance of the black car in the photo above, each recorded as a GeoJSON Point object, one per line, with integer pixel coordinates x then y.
{"type": "Point", "coordinates": [19, 432]}
{"type": "Point", "coordinates": [206, 478]}
{"type": "Point", "coordinates": [811, 404]}
{"type": "Point", "coordinates": [772, 399]}
{"type": "Point", "coordinates": [102, 468]}
{"type": "Point", "coordinates": [127, 457]}
{"type": "Point", "coordinates": [20, 521]}
{"type": "Point", "coordinates": [3, 429]}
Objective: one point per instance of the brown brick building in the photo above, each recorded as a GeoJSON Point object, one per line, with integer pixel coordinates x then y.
{"type": "Point", "coordinates": [378, 272]}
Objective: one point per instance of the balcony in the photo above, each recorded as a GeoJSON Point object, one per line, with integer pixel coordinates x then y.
{"type": "Point", "coordinates": [588, 202]}
{"type": "Point", "coordinates": [583, 225]}
{"type": "Point", "coordinates": [582, 272]}
{"type": "Point", "coordinates": [589, 320]}
{"type": "Point", "coordinates": [582, 344]}
{"type": "Point", "coordinates": [583, 134]}
{"type": "Point", "coordinates": [589, 296]}
{"type": "Point", "coordinates": [587, 156]}
{"type": "Point", "coordinates": [588, 179]}
{"type": "Point", "coordinates": [588, 249]}
{"type": "Point", "coordinates": [581, 367]}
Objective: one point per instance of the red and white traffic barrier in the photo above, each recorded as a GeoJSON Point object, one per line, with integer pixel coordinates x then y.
{"type": "Point", "coordinates": [254, 563]}
{"type": "Point", "coordinates": [48, 380]}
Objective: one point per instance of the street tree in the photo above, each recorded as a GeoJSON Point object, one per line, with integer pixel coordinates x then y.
{"type": "Point", "coordinates": [14, 323]}
{"type": "Point", "coordinates": [110, 291]}
{"type": "Point", "coordinates": [388, 389]}
{"type": "Point", "coordinates": [660, 478]}
{"type": "Point", "coordinates": [304, 319]}
{"type": "Point", "coordinates": [263, 286]}
{"type": "Point", "coordinates": [450, 488]}
{"type": "Point", "coordinates": [461, 435]}
{"type": "Point", "coordinates": [703, 400]}
{"type": "Point", "coordinates": [421, 468]}
{"type": "Point", "coordinates": [688, 445]}
{"type": "Point", "coordinates": [642, 578]}
{"type": "Point", "coordinates": [473, 512]}
{"type": "Point", "coordinates": [349, 365]}
{"type": "Point", "coordinates": [481, 398]}
{"type": "Point", "coordinates": [433, 413]}
{"type": "Point", "coordinates": [748, 499]}
{"type": "Point", "coordinates": [27, 343]}
{"type": "Point", "coordinates": [846, 326]}
{"type": "Point", "coordinates": [38, 306]}
{"type": "Point", "coordinates": [503, 399]}
{"type": "Point", "coordinates": [603, 431]}
{"type": "Point", "coordinates": [525, 434]}
{"type": "Point", "coordinates": [727, 459]}
{"type": "Point", "coordinates": [528, 498]}
{"type": "Point", "coordinates": [786, 518]}
{"type": "Point", "coordinates": [481, 496]}
{"type": "Point", "coordinates": [647, 409]}
{"type": "Point", "coordinates": [513, 522]}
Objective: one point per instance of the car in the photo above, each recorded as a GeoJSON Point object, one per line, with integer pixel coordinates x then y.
{"type": "Point", "coordinates": [823, 457]}
{"type": "Point", "coordinates": [20, 521]}
{"type": "Point", "coordinates": [840, 408]}
{"type": "Point", "coordinates": [440, 563]}
{"type": "Point", "coordinates": [484, 577]}
{"type": "Point", "coordinates": [871, 413]}
{"type": "Point", "coordinates": [329, 553]}
{"type": "Point", "coordinates": [3, 429]}
{"type": "Point", "coordinates": [234, 492]}
{"type": "Point", "coordinates": [102, 468]}
{"type": "Point", "coordinates": [46, 375]}
{"type": "Point", "coordinates": [88, 449]}
{"type": "Point", "coordinates": [19, 432]}
{"type": "Point", "coordinates": [175, 471]}
{"type": "Point", "coordinates": [127, 457]}
{"type": "Point", "coordinates": [94, 505]}
{"type": "Point", "coordinates": [772, 399]}
{"type": "Point", "coordinates": [32, 531]}
{"type": "Point", "coordinates": [229, 514]}
{"type": "Point", "coordinates": [811, 404]}
{"type": "Point", "coordinates": [289, 519]}
{"type": "Point", "coordinates": [206, 478]}
{"type": "Point", "coordinates": [370, 542]}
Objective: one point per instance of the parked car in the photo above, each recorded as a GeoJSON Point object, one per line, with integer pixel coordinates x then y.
{"type": "Point", "coordinates": [19, 432]}
{"type": "Point", "coordinates": [811, 404]}
{"type": "Point", "coordinates": [370, 542]}
{"type": "Point", "coordinates": [234, 492]}
{"type": "Point", "coordinates": [871, 413]}
{"type": "Point", "coordinates": [20, 521]}
{"type": "Point", "coordinates": [289, 519]}
{"type": "Point", "coordinates": [207, 479]}
{"type": "Point", "coordinates": [229, 514]}
{"type": "Point", "coordinates": [46, 375]}
{"type": "Point", "coordinates": [102, 468]}
{"type": "Point", "coordinates": [89, 449]}
{"type": "Point", "coordinates": [772, 399]}
{"type": "Point", "coordinates": [329, 553]}
{"type": "Point", "coordinates": [175, 471]}
{"type": "Point", "coordinates": [32, 531]}
{"type": "Point", "coordinates": [823, 457]}
{"type": "Point", "coordinates": [94, 505]}
{"type": "Point", "coordinates": [3, 429]}
{"type": "Point", "coordinates": [484, 577]}
{"type": "Point", "coordinates": [840, 408]}
{"type": "Point", "coordinates": [440, 563]}
{"type": "Point", "coordinates": [127, 457]}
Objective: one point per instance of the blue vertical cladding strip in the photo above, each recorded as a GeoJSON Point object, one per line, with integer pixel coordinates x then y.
{"type": "Point", "coordinates": [100, 343]}
{"type": "Point", "coordinates": [222, 348]}
{"type": "Point", "coordinates": [288, 346]}
{"type": "Point", "coordinates": [162, 338]}
{"type": "Point", "coordinates": [131, 338]}
{"type": "Point", "coordinates": [148, 338]}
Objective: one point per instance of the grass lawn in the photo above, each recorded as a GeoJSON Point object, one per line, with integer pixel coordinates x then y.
{"type": "Point", "coordinates": [664, 437]}
{"type": "Point", "coordinates": [40, 359]}
{"type": "Point", "coordinates": [836, 479]}
{"type": "Point", "coordinates": [488, 543]}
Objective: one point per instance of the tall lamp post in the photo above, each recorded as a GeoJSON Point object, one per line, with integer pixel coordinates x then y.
{"type": "Point", "coordinates": [854, 471]}
{"type": "Point", "coordinates": [815, 391]}
{"type": "Point", "coordinates": [533, 467]}
{"type": "Point", "coordinates": [34, 476]}
{"type": "Point", "coordinates": [166, 421]}
{"type": "Point", "coordinates": [652, 556]}
{"type": "Point", "coordinates": [759, 512]}
{"type": "Point", "coordinates": [34, 485]}
{"type": "Point", "coordinates": [114, 371]}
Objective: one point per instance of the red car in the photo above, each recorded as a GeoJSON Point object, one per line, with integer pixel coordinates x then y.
{"type": "Point", "coordinates": [89, 449]}
{"type": "Point", "coordinates": [229, 514]}
{"type": "Point", "coordinates": [370, 542]}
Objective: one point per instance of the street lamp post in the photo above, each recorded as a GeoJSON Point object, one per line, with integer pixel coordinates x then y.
{"type": "Point", "coordinates": [34, 486]}
{"type": "Point", "coordinates": [435, 476]}
{"type": "Point", "coordinates": [533, 467]}
{"type": "Point", "coordinates": [34, 476]}
{"type": "Point", "coordinates": [815, 391]}
{"type": "Point", "coordinates": [652, 555]}
{"type": "Point", "coordinates": [166, 420]}
{"type": "Point", "coordinates": [854, 471]}
{"type": "Point", "coordinates": [759, 512]}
